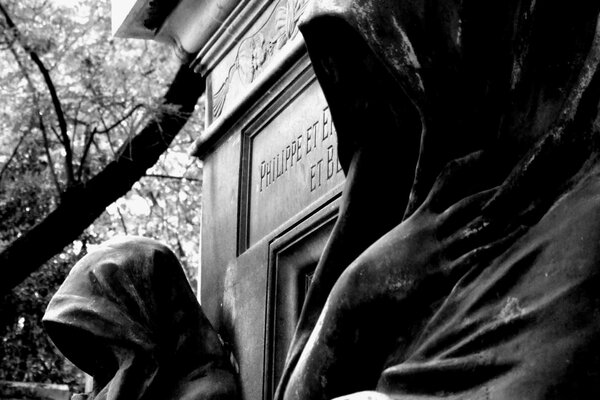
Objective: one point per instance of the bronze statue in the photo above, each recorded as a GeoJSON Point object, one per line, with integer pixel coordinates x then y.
{"type": "Point", "coordinates": [464, 262]}
{"type": "Point", "coordinates": [481, 283]}
{"type": "Point", "coordinates": [127, 316]}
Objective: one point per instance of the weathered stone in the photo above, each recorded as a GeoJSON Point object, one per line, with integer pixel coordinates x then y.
{"type": "Point", "coordinates": [462, 263]}
{"type": "Point", "coordinates": [271, 184]}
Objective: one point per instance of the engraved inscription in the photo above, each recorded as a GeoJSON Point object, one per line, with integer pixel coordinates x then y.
{"type": "Point", "coordinates": [317, 138]}
{"type": "Point", "coordinates": [292, 162]}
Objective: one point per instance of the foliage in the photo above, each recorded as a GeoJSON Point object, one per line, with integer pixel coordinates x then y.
{"type": "Point", "coordinates": [27, 353]}
{"type": "Point", "coordinates": [106, 90]}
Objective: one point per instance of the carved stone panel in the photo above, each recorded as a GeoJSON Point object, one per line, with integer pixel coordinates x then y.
{"type": "Point", "coordinates": [272, 32]}
{"type": "Point", "coordinates": [290, 158]}
{"type": "Point", "coordinates": [293, 258]}
{"type": "Point", "coordinates": [273, 172]}
{"type": "Point", "coordinates": [271, 169]}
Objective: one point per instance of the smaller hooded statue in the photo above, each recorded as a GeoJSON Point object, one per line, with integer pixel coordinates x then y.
{"type": "Point", "coordinates": [127, 316]}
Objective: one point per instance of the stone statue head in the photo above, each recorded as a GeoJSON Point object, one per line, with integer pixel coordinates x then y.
{"type": "Point", "coordinates": [451, 77]}
{"type": "Point", "coordinates": [514, 87]}
{"type": "Point", "coordinates": [127, 316]}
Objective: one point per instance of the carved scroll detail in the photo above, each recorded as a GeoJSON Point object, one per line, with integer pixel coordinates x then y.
{"type": "Point", "coordinates": [255, 50]}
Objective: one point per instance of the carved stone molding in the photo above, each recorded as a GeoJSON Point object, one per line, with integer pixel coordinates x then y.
{"type": "Point", "coordinates": [256, 49]}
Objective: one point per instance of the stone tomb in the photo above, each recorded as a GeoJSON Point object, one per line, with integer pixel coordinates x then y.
{"type": "Point", "coordinates": [271, 186]}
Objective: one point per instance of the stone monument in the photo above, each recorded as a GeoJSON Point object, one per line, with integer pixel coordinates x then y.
{"type": "Point", "coordinates": [403, 193]}
{"type": "Point", "coordinates": [272, 184]}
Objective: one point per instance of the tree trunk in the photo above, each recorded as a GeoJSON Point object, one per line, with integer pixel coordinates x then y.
{"type": "Point", "coordinates": [81, 205]}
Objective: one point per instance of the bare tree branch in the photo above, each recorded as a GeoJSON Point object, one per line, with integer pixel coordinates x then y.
{"type": "Point", "coordinates": [53, 94]}
{"type": "Point", "coordinates": [75, 119]}
{"type": "Point", "coordinates": [162, 176]}
{"type": "Point", "coordinates": [57, 136]}
{"type": "Point", "coordinates": [108, 137]}
{"type": "Point", "coordinates": [14, 152]}
{"type": "Point", "coordinates": [86, 149]}
{"type": "Point", "coordinates": [82, 204]}
{"type": "Point", "coordinates": [123, 224]}
{"type": "Point", "coordinates": [37, 111]}
{"type": "Point", "coordinates": [121, 120]}
{"type": "Point", "coordinates": [49, 156]}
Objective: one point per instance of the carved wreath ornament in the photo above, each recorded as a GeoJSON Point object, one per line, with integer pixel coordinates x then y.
{"type": "Point", "coordinates": [256, 49]}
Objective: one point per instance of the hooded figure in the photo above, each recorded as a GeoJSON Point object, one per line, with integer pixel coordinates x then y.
{"type": "Point", "coordinates": [480, 283]}
{"type": "Point", "coordinates": [127, 316]}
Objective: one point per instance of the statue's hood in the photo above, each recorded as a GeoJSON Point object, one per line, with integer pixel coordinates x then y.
{"type": "Point", "coordinates": [127, 316]}
{"type": "Point", "coordinates": [450, 77]}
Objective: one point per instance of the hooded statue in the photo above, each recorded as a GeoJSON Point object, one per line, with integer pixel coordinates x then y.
{"type": "Point", "coordinates": [463, 264]}
{"type": "Point", "coordinates": [127, 316]}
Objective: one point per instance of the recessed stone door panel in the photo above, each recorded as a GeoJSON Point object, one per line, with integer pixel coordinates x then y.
{"type": "Point", "coordinates": [293, 258]}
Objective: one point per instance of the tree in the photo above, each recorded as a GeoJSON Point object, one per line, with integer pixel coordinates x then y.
{"type": "Point", "coordinates": [27, 353]}
{"type": "Point", "coordinates": [80, 125]}
{"type": "Point", "coordinates": [85, 188]}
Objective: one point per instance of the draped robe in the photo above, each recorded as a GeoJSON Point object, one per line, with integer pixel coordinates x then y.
{"type": "Point", "coordinates": [411, 86]}
{"type": "Point", "coordinates": [126, 315]}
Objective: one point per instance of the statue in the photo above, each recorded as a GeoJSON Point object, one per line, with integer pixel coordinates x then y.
{"type": "Point", "coordinates": [477, 276]}
{"type": "Point", "coordinates": [127, 316]}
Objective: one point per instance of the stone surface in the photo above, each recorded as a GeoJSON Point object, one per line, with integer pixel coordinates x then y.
{"type": "Point", "coordinates": [293, 161]}
{"type": "Point", "coordinates": [274, 26]}
{"type": "Point", "coordinates": [127, 316]}
{"type": "Point", "coordinates": [185, 24]}
{"type": "Point", "coordinates": [249, 288]}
